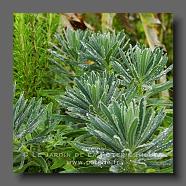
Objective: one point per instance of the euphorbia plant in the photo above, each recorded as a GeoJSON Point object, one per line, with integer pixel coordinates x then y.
{"type": "Point", "coordinates": [127, 132]}
{"type": "Point", "coordinates": [32, 124]}
{"type": "Point", "coordinates": [112, 99]}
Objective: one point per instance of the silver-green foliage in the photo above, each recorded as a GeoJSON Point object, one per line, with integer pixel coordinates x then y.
{"type": "Point", "coordinates": [128, 129]}
{"type": "Point", "coordinates": [32, 122]}
{"type": "Point", "coordinates": [89, 91]}
{"type": "Point", "coordinates": [66, 55]}
{"type": "Point", "coordinates": [70, 46]}
{"type": "Point", "coordinates": [113, 105]}
{"type": "Point", "coordinates": [142, 66]}
{"type": "Point", "coordinates": [102, 48]}
{"type": "Point", "coordinates": [111, 98]}
{"type": "Point", "coordinates": [76, 48]}
{"type": "Point", "coordinates": [128, 134]}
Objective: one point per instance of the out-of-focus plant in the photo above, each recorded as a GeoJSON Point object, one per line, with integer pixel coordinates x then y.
{"type": "Point", "coordinates": [150, 24]}
{"type": "Point", "coordinates": [32, 34]}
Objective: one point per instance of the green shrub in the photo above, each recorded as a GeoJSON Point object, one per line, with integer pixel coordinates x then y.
{"type": "Point", "coordinates": [110, 105]}
{"type": "Point", "coordinates": [115, 106]}
{"type": "Point", "coordinates": [31, 37]}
